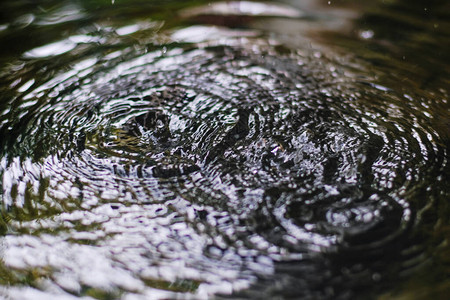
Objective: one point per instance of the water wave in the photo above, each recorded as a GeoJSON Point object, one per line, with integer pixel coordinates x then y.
{"type": "Point", "coordinates": [210, 167]}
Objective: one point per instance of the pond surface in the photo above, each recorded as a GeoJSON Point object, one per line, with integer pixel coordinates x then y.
{"type": "Point", "coordinates": [225, 150]}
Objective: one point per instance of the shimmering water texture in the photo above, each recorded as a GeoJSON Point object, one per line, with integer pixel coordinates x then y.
{"type": "Point", "coordinates": [217, 162]}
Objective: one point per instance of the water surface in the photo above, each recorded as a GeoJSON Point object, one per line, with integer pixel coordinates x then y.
{"type": "Point", "coordinates": [224, 150]}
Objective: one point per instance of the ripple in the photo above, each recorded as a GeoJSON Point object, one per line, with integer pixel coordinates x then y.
{"type": "Point", "coordinates": [207, 167]}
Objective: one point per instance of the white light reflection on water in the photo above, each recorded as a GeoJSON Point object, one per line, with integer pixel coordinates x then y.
{"type": "Point", "coordinates": [132, 244]}
{"type": "Point", "coordinates": [60, 47]}
{"type": "Point", "coordinates": [67, 13]}
{"type": "Point", "coordinates": [244, 8]}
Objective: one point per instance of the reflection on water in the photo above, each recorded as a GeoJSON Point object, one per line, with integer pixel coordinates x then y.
{"type": "Point", "coordinates": [226, 149]}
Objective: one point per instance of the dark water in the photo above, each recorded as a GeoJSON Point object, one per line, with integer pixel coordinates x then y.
{"type": "Point", "coordinates": [294, 150]}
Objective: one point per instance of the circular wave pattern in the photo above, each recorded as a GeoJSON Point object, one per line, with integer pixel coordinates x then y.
{"type": "Point", "coordinates": [206, 168]}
